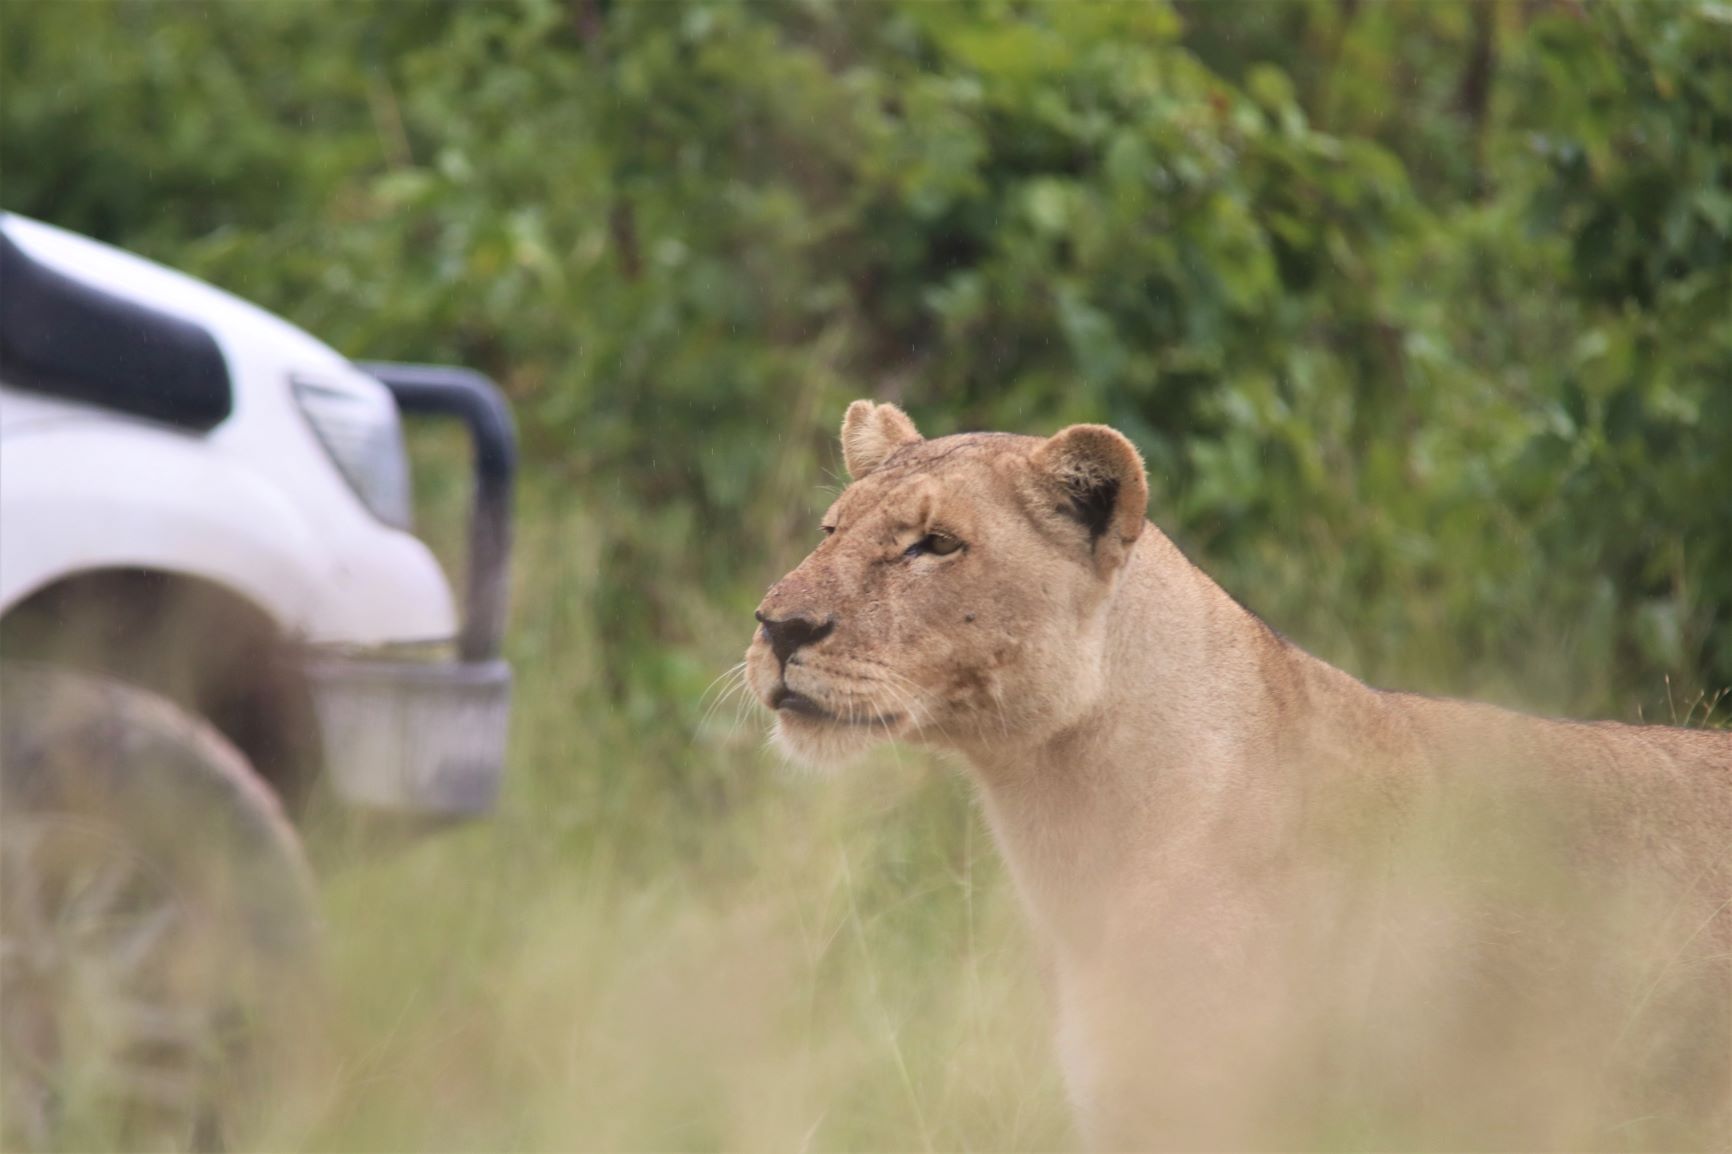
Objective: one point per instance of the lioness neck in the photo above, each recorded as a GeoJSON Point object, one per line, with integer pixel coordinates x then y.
{"type": "Point", "coordinates": [1192, 758]}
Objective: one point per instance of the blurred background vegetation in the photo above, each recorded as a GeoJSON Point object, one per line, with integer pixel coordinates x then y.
{"type": "Point", "coordinates": [1421, 313]}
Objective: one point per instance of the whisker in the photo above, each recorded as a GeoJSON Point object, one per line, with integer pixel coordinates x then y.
{"type": "Point", "coordinates": [730, 671]}
{"type": "Point", "coordinates": [734, 676]}
{"type": "Point", "coordinates": [737, 692]}
{"type": "Point", "coordinates": [743, 706]}
{"type": "Point", "coordinates": [743, 701]}
{"type": "Point", "coordinates": [921, 699]}
{"type": "Point", "coordinates": [1003, 712]}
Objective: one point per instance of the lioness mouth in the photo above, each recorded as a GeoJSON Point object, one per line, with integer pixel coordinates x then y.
{"type": "Point", "coordinates": [788, 701]}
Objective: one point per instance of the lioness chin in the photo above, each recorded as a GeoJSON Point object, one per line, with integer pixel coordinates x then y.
{"type": "Point", "coordinates": [1281, 908]}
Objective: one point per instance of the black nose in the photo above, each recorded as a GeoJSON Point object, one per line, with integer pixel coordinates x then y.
{"type": "Point", "coordinates": [790, 633]}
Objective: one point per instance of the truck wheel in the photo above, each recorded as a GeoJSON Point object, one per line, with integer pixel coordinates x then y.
{"type": "Point", "coordinates": [157, 925]}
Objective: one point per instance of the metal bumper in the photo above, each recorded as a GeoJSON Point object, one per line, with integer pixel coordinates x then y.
{"type": "Point", "coordinates": [428, 738]}
{"type": "Point", "coordinates": [422, 739]}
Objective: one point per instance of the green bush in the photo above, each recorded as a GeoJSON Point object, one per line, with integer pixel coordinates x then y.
{"type": "Point", "coordinates": [1419, 312]}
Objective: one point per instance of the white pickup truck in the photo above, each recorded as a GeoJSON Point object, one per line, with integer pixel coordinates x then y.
{"type": "Point", "coordinates": [214, 619]}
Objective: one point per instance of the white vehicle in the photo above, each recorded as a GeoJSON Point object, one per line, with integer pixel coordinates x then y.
{"type": "Point", "coordinates": [213, 613]}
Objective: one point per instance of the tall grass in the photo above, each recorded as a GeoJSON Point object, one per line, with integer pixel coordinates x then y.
{"type": "Point", "coordinates": [825, 965]}
{"type": "Point", "coordinates": [665, 938]}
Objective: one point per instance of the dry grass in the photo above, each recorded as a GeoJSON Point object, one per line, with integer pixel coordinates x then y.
{"type": "Point", "coordinates": [803, 965]}
{"type": "Point", "coordinates": [666, 939]}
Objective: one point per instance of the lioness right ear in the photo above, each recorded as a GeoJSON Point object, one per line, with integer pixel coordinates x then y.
{"type": "Point", "coordinates": [1097, 478]}
{"type": "Point", "coordinates": [870, 433]}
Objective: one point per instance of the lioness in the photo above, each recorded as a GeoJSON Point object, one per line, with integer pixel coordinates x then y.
{"type": "Point", "coordinates": [1281, 908]}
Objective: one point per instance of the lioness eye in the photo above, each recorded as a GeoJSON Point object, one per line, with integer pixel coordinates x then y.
{"type": "Point", "coordinates": [826, 529]}
{"type": "Point", "coordinates": [938, 544]}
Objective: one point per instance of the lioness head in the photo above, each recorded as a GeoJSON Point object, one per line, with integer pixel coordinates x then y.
{"type": "Point", "coordinates": [958, 594]}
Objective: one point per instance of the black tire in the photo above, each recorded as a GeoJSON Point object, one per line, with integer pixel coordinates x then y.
{"type": "Point", "coordinates": [158, 933]}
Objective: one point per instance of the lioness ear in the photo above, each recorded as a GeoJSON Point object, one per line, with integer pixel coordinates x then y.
{"type": "Point", "coordinates": [1098, 479]}
{"type": "Point", "coordinates": [870, 433]}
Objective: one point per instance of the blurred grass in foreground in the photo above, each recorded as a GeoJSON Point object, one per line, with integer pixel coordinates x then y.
{"type": "Point", "coordinates": [618, 970]}
{"type": "Point", "coordinates": [671, 941]}
{"type": "Point", "coordinates": [667, 940]}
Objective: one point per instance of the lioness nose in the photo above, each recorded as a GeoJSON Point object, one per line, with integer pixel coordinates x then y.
{"type": "Point", "coordinates": [787, 634]}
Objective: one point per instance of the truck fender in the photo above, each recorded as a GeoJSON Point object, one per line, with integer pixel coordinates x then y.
{"type": "Point", "coordinates": [82, 496]}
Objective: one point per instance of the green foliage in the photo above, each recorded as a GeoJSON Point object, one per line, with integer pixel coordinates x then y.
{"type": "Point", "coordinates": [1420, 312]}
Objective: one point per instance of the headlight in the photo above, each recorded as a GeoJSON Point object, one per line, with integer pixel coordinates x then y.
{"type": "Point", "coordinates": [364, 437]}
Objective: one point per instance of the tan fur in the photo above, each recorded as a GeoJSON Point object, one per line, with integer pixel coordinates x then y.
{"type": "Point", "coordinates": [870, 433]}
{"type": "Point", "coordinates": [1269, 894]}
